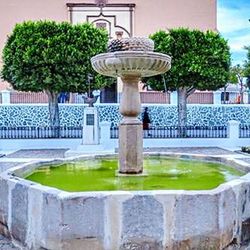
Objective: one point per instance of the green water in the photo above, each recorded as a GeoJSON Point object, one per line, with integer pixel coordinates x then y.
{"type": "Point", "coordinates": [163, 173]}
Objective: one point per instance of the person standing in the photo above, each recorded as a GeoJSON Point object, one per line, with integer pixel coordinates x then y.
{"type": "Point", "coordinates": [146, 121]}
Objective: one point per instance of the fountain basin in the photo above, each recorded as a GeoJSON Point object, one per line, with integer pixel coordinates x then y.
{"type": "Point", "coordinates": [42, 217]}
{"type": "Point", "coordinates": [132, 63]}
{"type": "Point", "coordinates": [161, 173]}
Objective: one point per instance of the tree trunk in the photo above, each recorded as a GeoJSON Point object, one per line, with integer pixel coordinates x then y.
{"type": "Point", "coordinates": [182, 111]}
{"type": "Point", "coordinates": [224, 96]}
{"type": "Point", "coordinates": [54, 113]}
{"type": "Point", "coordinates": [182, 106]}
{"type": "Point", "coordinates": [241, 92]}
{"type": "Point", "coordinates": [240, 81]}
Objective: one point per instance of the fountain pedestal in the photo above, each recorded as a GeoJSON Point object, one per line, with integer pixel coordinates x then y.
{"type": "Point", "coordinates": [131, 65]}
{"type": "Point", "coordinates": [130, 129]}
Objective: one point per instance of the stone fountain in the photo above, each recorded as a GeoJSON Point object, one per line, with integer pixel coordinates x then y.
{"type": "Point", "coordinates": [42, 217]}
{"type": "Point", "coordinates": [131, 59]}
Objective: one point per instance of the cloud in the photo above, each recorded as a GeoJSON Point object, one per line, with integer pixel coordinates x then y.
{"type": "Point", "coordinates": [238, 43]}
{"type": "Point", "coordinates": [230, 20]}
{"type": "Point", "coordinates": [233, 24]}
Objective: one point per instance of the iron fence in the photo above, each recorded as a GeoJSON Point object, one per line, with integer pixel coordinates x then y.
{"type": "Point", "coordinates": [40, 132]}
{"type": "Point", "coordinates": [153, 132]}
{"type": "Point", "coordinates": [244, 131]}
{"type": "Point", "coordinates": [179, 132]}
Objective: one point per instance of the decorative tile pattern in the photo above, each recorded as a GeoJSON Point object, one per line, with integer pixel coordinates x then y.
{"type": "Point", "coordinates": [160, 115]}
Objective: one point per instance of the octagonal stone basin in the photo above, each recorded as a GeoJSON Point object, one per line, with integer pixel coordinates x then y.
{"type": "Point", "coordinates": [40, 217]}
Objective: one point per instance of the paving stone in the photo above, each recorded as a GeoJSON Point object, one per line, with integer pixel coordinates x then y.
{"type": "Point", "coordinates": [6, 165]}
{"type": "Point", "coordinates": [83, 217]}
{"type": "Point", "coordinates": [51, 214]}
{"type": "Point", "coordinates": [6, 244]}
{"type": "Point", "coordinates": [19, 222]}
{"type": "Point", "coordinates": [193, 150]}
{"type": "Point", "coordinates": [142, 223]}
{"type": "Point", "coordinates": [245, 159]}
{"type": "Point", "coordinates": [38, 153]}
{"type": "Point", "coordinates": [4, 192]}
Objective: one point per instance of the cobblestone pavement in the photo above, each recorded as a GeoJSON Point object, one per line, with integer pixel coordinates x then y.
{"type": "Point", "coordinates": [38, 153]}
{"type": "Point", "coordinates": [27, 155]}
{"type": "Point", "coordinates": [6, 165]}
{"type": "Point", "coordinates": [5, 244]}
{"type": "Point", "coordinates": [193, 150]}
{"type": "Point", "coordinates": [245, 159]}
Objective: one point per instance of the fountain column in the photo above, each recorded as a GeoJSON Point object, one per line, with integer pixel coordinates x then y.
{"type": "Point", "coordinates": [131, 59]}
{"type": "Point", "coordinates": [130, 129]}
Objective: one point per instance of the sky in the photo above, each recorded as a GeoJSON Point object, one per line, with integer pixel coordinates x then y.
{"type": "Point", "coordinates": [233, 24]}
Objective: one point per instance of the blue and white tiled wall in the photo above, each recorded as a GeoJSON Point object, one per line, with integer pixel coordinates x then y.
{"type": "Point", "coordinates": [161, 115]}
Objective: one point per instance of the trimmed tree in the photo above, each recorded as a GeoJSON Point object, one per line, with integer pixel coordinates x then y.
{"type": "Point", "coordinates": [247, 62]}
{"type": "Point", "coordinates": [53, 57]}
{"type": "Point", "coordinates": [200, 61]}
{"type": "Point", "coordinates": [237, 74]}
{"type": "Point", "coordinates": [247, 70]}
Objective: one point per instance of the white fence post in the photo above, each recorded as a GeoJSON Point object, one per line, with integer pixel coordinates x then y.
{"type": "Point", "coordinates": [105, 140]}
{"type": "Point", "coordinates": [5, 96]}
{"type": "Point", "coordinates": [173, 98]}
{"type": "Point", "coordinates": [245, 98]}
{"type": "Point", "coordinates": [233, 131]}
{"type": "Point", "coordinates": [217, 97]}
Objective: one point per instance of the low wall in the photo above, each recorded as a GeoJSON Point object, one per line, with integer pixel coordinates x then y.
{"type": "Point", "coordinates": [41, 217]}
{"type": "Point", "coordinates": [160, 115]}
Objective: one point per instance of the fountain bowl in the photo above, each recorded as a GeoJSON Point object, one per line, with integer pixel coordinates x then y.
{"type": "Point", "coordinates": [41, 217]}
{"type": "Point", "coordinates": [132, 63]}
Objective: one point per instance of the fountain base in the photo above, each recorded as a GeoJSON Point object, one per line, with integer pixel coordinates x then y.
{"type": "Point", "coordinates": [142, 174]}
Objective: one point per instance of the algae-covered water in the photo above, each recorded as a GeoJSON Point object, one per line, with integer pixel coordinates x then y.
{"type": "Point", "coordinates": [163, 173]}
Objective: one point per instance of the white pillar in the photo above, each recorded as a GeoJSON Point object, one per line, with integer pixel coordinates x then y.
{"type": "Point", "coordinates": [105, 135]}
{"type": "Point", "coordinates": [217, 97]}
{"type": "Point", "coordinates": [233, 130]}
{"type": "Point", "coordinates": [173, 98]}
{"type": "Point", "coordinates": [119, 89]}
{"type": "Point", "coordinates": [5, 96]}
{"type": "Point", "coordinates": [90, 126]}
{"type": "Point", "coordinates": [97, 93]}
{"type": "Point", "coordinates": [245, 97]}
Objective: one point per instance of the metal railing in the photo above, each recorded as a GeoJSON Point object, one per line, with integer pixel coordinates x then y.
{"type": "Point", "coordinates": [153, 132]}
{"type": "Point", "coordinates": [179, 132]}
{"type": "Point", "coordinates": [40, 132]}
{"type": "Point", "coordinates": [244, 131]}
{"type": "Point", "coordinates": [201, 98]}
{"type": "Point", "coordinates": [18, 97]}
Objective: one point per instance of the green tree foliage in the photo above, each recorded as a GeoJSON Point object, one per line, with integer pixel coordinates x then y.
{"type": "Point", "coordinates": [247, 70]}
{"type": "Point", "coordinates": [236, 75]}
{"type": "Point", "coordinates": [52, 57]}
{"type": "Point", "coordinates": [247, 62]}
{"type": "Point", "coordinates": [200, 61]}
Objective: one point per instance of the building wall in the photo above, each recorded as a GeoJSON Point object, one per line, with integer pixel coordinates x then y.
{"type": "Point", "coordinates": [149, 16]}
